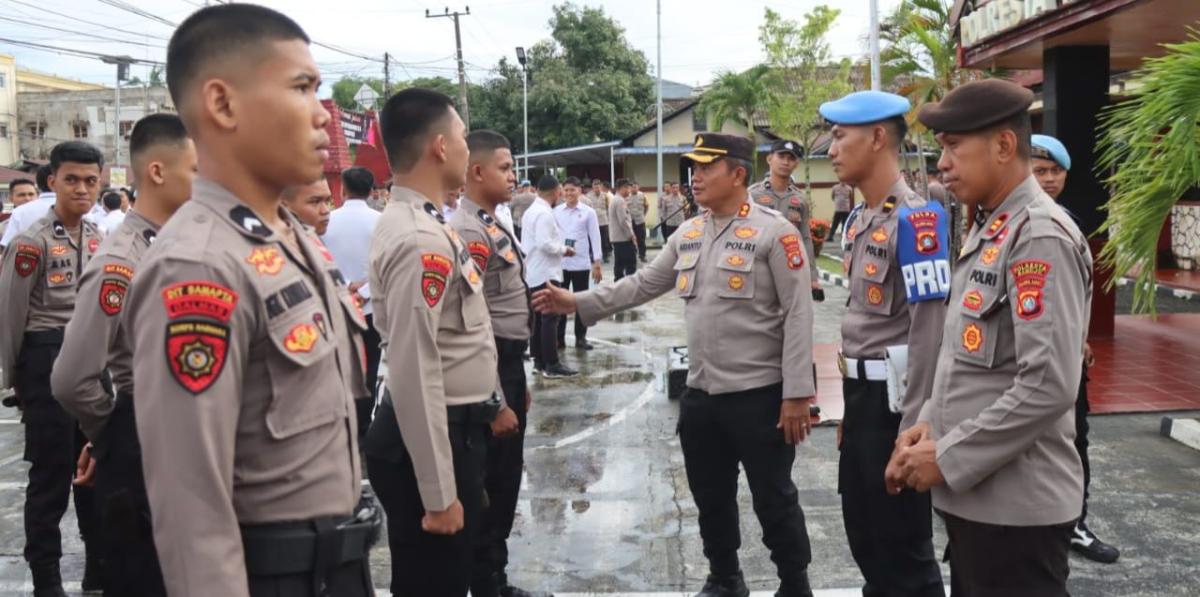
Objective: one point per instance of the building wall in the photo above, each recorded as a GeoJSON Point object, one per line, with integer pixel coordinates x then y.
{"type": "Point", "coordinates": [9, 149]}
{"type": "Point", "coordinates": [34, 81]}
{"type": "Point", "coordinates": [60, 111]}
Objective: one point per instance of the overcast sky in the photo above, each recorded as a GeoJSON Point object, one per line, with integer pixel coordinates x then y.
{"type": "Point", "coordinates": [700, 37]}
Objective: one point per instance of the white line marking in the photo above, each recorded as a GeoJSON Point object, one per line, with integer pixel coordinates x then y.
{"type": "Point", "coordinates": [817, 593]}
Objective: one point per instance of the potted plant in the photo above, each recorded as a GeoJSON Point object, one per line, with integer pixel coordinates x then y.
{"type": "Point", "coordinates": [819, 230]}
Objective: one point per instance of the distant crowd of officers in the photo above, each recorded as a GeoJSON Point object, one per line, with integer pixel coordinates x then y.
{"type": "Point", "coordinates": [202, 378]}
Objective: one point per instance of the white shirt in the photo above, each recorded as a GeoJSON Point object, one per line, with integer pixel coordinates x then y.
{"type": "Point", "coordinates": [448, 212]}
{"type": "Point", "coordinates": [542, 241]}
{"type": "Point", "coordinates": [24, 216]}
{"type": "Point", "coordinates": [348, 238]}
{"type": "Point", "coordinates": [579, 224]}
{"type": "Point", "coordinates": [108, 224]}
{"type": "Point", "coordinates": [504, 216]}
{"type": "Point", "coordinates": [97, 214]}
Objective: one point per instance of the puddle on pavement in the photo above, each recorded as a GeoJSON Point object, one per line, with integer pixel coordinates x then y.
{"type": "Point", "coordinates": [628, 316]}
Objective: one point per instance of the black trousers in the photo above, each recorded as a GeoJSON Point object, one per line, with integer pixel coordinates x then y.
{"type": "Point", "coordinates": [264, 561]}
{"type": "Point", "coordinates": [624, 260]}
{"type": "Point", "coordinates": [839, 218]}
{"type": "Point", "coordinates": [988, 560]}
{"type": "Point", "coordinates": [639, 232]}
{"type": "Point", "coordinates": [719, 432]}
{"type": "Point", "coordinates": [52, 445]}
{"type": "Point", "coordinates": [667, 231]}
{"type": "Point", "coordinates": [424, 564]}
{"type": "Point", "coordinates": [544, 343]}
{"type": "Point", "coordinates": [605, 244]}
{"type": "Point", "coordinates": [577, 282]}
{"type": "Point", "coordinates": [891, 537]}
{"type": "Point", "coordinates": [351, 579]}
{"type": "Point", "coordinates": [130, 560]}
{"type": "Point", "coordinates": [505, 465]}
{"type": "Point", "coordinates": [1082, 408]}
{"type": "Point", "coordinates": [365, 406]}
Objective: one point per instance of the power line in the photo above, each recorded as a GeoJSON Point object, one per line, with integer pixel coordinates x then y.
{"type": "Point", "coordinates": [74, 52]}
{"type": "Point", "coordinates": [89, 35]}
{"type": "Point", "coordinates": [137, 11]}
{"type": "Point", "coordinates": [89, 23]}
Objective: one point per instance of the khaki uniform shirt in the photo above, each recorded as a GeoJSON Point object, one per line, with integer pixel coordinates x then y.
{"type": "Point", "coordinates": [843, 197]}
{"type": "Point", "coordinates": [878, 314]}
{"type": "Point", "coordinates": [938, 193]}
{"type": "Point", "coordinates": [620, 225]}
{"type": "Point", "coordinates": [637, 205]}
{"type": "Point", "coordinates": [599, 202]}
{"type": "Point", "coordinates": [1002, 409]}
{"type": "Point", "coordinates": [747, 301]}
{"type": "Point", "coordinates": [94, 340]}
{"type": "Point", "coordinates": [670, 209]}
{"type": "Point", "coordinates": [247, 360]}
{"type": "Point", "coordinates": [792, 203]}
{"type": "Point", "coordinates": [520, 203]}
{"type": "Point", "coordinates": [496, 255]}
{"type": "Point", "coordinates": [432, 315]}
{"type": "Point", "coordinates": [38, 281]}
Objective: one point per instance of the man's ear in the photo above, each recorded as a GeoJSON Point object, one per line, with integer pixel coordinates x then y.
{"type": "Point", "coordinates": [218, 103]}
{"type": "Point", "coordinates": [1005, 145]}
{"type": "Point", "coordinates": [439, 146]}
{"type": "Point", "coordinates": [155, 173]}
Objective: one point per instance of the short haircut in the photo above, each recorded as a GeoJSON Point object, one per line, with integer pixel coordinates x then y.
{"type": "Point", "coordinates": [221, 32]}
{"type": "Point", "coordinates": [897, 129]}
{"type": "Point", "coordinates": [407, 120]}
{"type": "Point", "coordinates": [547, 183]}
{"type": "Point", "coordinates": [1022, 126]}
{"type": "Point", "coordinates": [112, 200]}
{"type": "Point", "coordinates": [623, 182]}
{"type": "Point", "coordinates": [77, 152]}
{"type": "Point", "coordinates": [155, 130]}
{"type": "Point", "coordinates": [483, 143]}
{"type": "Point", "coordinates": [43, 178]}
{"type": "Point", "coordinates": [597, 181]}
{"type": "Point", "coordinates": [735, 163]}
{"type": "Point", "coordinates": [358, 181]}
{"type": "Point", "coordinates": [12, 185]}
{"type": "Point", "coordinates": [573, 181]}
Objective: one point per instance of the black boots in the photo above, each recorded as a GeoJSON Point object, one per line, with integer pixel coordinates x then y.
{"type": "Point", "coordinates": [47, 581]}
{"type": "Point", "coordinates": [733, 585]}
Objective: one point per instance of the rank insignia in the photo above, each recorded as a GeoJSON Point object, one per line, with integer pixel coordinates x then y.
{"type": "Point", "coordinates": [1030, 276]}
{"type": "Point", "coordinates": [735, 260]}
{"type": "Point", "coordinates": [850, 234]}
{"type": "Point", "coordinates": [973, 300]}
{"type": "Point", "coordinates": [112, 295]}
{"type": "Point", "coordinates": [196, 353]}
{"type": "Point", "coordinates": [997, 224]}
{"type": "Point", "coordinates": [121, 270]}
{"type": "Point", "coordinates": [26, 259]}
{"type": "Point", "coordinates": [871, 269]}
{"type": "Point", "coordinates": [436, 268]}
{"type": "Point", "coordinates": [300, 338]}
{"type": "Point", "coordinates": [745, 232]}
{"type": "Point", "coordinates": [203, 298]}
{"type": "Point", "coordinates": [989, 255]}
{"type": "Point", "coordinates": [972, 337]}
{"type": "Point", "coordinates": [744, 211]}
{"type": "Point", "coordinates": [693, 234]}
{"type": "Point", "coordinates": [1003, 234]}
{"type": "Point", "coordinates": [874, 294]}
{"type": "Point", "coordinates": [93, 244]}
{"type": "Point", "coordinates": [266, 260]}
{"type": "Point", "coordinates": [793, 251]}
{"type": "Point", "coordinates": [736, 282]}
{"type": "Point", "coordinates": [879, 235]}
{"type": "Point", "coordinates": [58, 250]}
{"type": "Point", "coordinates": [682, 283]}
{"type": "Point", "coordinates": [795, 202]}
{"type": "Point", "coordinates": [57, 278]}
{"type": "Point", "coordinates": [480, 253]}
{"type": "Point", "coordinates": [321, 248]}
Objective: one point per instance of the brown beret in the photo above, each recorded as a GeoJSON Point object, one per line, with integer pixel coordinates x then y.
{"type": "Point", "coordinates": [976, 105]}
{"type": "Point", "coordinates": [710, 146]}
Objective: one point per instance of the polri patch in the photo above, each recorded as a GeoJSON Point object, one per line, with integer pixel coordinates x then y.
{"type": "Point", "coordinates": [972, 337]}
{"type": "Point", "coordinates": [301, 338]}
{"type": "Point", "coordinates": [989, 255]}
{"type": "Point", "coordinates": [925, 225]}
{"type": "Point", "coordinates": [874, 295]}
{"type": "Point", "coordinates": [112, 295]}
{"type": "Point", "coordinates": [1030, 276]}
{"type": "Point", "coordinates": [26, 260]}
{"type": "Point", "coordinates": [480, 253]}
{"type": "Point", "coordinates": [792, 251]}
{"type": "Point", "coordinates": [196, 352]}
{"type": "Point", "coordinates": [436, 269]}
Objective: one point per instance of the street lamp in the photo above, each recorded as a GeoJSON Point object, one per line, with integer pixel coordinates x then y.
{"type": "Point", "coordinates": [525, 100]}
{"type": "Point", "coordinates": [122, 63]}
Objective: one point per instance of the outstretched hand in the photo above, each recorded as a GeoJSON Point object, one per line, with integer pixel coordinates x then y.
{"type": "Point", "coordinates": [554, 300]}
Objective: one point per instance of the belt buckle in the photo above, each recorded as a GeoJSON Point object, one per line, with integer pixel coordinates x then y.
{"type": "Point", "coordinates": [841, 363]}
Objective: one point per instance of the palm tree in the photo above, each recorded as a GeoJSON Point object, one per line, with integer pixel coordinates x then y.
{"type": "Point", "coordinates": [1151, 146]}
{"type": "Point", "coordinates": [737, 97]}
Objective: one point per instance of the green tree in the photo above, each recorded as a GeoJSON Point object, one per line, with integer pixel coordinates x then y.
{"type": "Point", "coordinates": [803, 75]}
{"type": "Point", "coordinates": [346, 88]}
{"type": "Point", "coordinates": [735, 96]}
{"type": "Point", "coordinates": [1151, 145]}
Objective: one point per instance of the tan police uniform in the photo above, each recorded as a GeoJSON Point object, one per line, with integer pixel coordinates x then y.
{"type": "Point", "coordinates": [623, 235]}
{"type": "Point", "coordinates": [428, 442]}
{"type": "Point", "coordinates": [520, 203]}
{"type": "Point", "coordinates": [599, 202]}
{"type": "Point", "coordinates": [792, 202]}
{"type": "Point", "coordinates": [244, 363]}
{"type": "Point", "coordinates": [670, 213]}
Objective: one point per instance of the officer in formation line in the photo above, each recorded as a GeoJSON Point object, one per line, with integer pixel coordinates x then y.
{"type": "Point", "coordinates": [598, 200]}
{"type": "Point", "coordinates": [744, 276]}
{"type": "Point", "coordinates": [778, 192]}
{"type": "Point", "coordinates": [899, 275]}
{"type": "Point", "coordinates": [671, 204]}
{"type": "Point", "coordinates": [622, 232]}
{"type": "Point", "coordinates": [994, 441]}
{"type": "Point", "coordinates": [164, 162]}
{"type": "Point", "coordinates": [521, 201]}
{"type": "Point", "coordinates": [638, 205]}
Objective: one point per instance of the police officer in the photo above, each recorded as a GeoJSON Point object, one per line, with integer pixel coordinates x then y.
{"type": "Point", "coordinates": [622, 231]}
{"type": "Point", "coordinates": [994, 441]}
{"type": "Point", "coordinates": [899, 274]}
{"type": "Point", "coordinates": [489, 176]}
{"type": "Point", "coordinates": [427, 446]}
{"type": "Point", "coordinates": [521, 202]}
{"type": "Point", "coordinates": [778, 192]}
{"type": "Point", "coordinates": [1051, 162]}
{"type": "Point", "coordinates": [638, 205]}
{"type": "Point", "coordinates": [164, 160]}
{"type": "Point", "coordinates": [670, 210]}
{"type": "Point", "coordinates": [38, 282]}
{"type": "Point", "coordinates": [599, 201]}
{"type": "Point", "coordinates": [743, 274]}
{"type": "Point", "coordinates": [247, 343]}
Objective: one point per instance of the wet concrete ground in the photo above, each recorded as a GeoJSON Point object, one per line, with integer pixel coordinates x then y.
{"type": "Point", "coordinates": [605, 506]}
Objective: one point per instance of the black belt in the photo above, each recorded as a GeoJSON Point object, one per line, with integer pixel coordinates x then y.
{"type": "Point", "coordinates": [478, 413]}
{"type": "Point", "coordinates": [52, 337]}
{"type": "Point", "coordinates": [318, 545]}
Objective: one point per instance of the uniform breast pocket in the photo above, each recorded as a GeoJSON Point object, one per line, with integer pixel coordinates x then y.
{"type": "Point", "coordinates": [982, 310]}
{"type": "Point", "coordinates": [736, 276]}
{"type": "Point", "coordinates": [685, 275]}
{"type": "Point", "coordinates": [474, 309]}
{"type": "Point", "coordinates": [354, 312]}
{"type": "Point", "coordinates": [308, 391]}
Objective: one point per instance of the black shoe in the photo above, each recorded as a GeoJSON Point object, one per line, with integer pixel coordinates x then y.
{"type": "Point", "coordinates": [795, 587]}
{"type": "Point", "coordinates": [583, 345]}
{"type": "Point", "coordinates": [724, 586]}
{"type": "Point", "coordinates": [93, 576]}
{"type": "Point", "coordinates": [1085, 543]}
{"type": "Point", "coordinates": [557, 370]}
{"type": "Point", "coordinates": [511, 591]}
{"type": "Point", "coordinates": [47, 582]}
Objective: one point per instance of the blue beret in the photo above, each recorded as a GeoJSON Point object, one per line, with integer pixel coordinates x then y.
{"type": "Point", "coordinates": [1051, 148]}
{"type": "Point", "coordinates": [865, 107]}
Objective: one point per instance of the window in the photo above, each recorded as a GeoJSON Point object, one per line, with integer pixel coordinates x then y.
{"type": "Point", "coordinates": [699, 122]}
{"type": "Point", "coordinates": [3, 131]}
{"type": "Point", "coordinates": [3, 80]}
{"type": "Point", "coordinates": [126, 129]}
{"type": "Point", "coordinates": [79, 129]}
{"type": "Point", "coordinates": [37, 130]}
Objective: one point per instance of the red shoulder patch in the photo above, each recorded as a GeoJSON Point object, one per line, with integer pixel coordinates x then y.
{"type": "Point", "coordinates": [925, 224]}
{"type": "Point", "coordinates": [792, 250]}
{"type": "Point", "coordinates": [112, 295]}
{"type": "Point", "coordinates": [436, 269]}
{"type": "Point", "coordinates": [26, 260]}
{"type": "Point", "coordinates": [480, 253]}
{"type": "Point", "coordinates": [196, 353]}
{"type": "Point", "coordinates": [1030, 276]}
{"type": "Point", "coordinates": [201, 297]}
{"type": "Point", "coordinates": [121, 270]}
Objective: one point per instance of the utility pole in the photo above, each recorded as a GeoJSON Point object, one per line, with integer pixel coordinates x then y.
{"type": "Point", "coordinates": [875, 76]}
{"type": "Point", "coordinates": [463, 109]}
{"type": "Point", "coordinates": [658, 135]}
{"type": "Point", "coordinates": [122, 63]}
{"type": "Point", "coordinates": [522, 58]}
{"type": "Point", "coordinates": [387, 77]}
